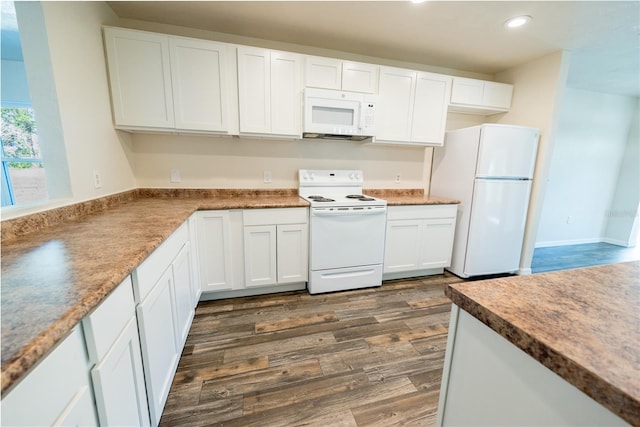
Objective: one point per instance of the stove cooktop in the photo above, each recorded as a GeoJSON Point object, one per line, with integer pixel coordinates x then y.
{"type": "Point", "coordinates": [331, 200]}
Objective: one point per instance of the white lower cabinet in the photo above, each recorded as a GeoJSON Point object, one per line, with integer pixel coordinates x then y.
{"type": "Point", "coordinates": [111, 335]}
{"type": "Point", "coordinates": [419, 239]}
{"type": "Point", "coordinates": [118, 380]}
{"type": "Point", "coordinates": [57, 391]}
{"type": "Point", "coordinates": [184, 308]}
{"type": "Point", "coordinates": [275, 246]}
{"type": "Point", "coordinates": [214, 250]}
{"type": "Point", "coordinates": [159, 344]}
{"type": "Point", "coordinates": [163, 290]}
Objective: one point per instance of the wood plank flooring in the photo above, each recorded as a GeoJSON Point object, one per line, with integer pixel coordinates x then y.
{"type": "Point", "coordinates": [370, 357]}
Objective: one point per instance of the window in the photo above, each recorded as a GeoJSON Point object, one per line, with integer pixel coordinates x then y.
{"type": "Point", "coordinates": [23, 173]}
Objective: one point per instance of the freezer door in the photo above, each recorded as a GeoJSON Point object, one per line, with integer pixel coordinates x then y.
{"type": "Point", "coordinates": [507, 151]}
{"type": "Point", "coordinates": [496, 229]}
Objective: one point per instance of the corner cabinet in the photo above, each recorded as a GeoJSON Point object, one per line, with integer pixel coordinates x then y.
{"type": "Point", "coordinates": [412, 107]}
{"type": "Point", "coordinates": [270, 92]}
{"type": "Point", "coordinates": [214, 250]}
{"type": "Point", "coordinates": [162, 82]}
{"type": "Point", "coordinates": [419, 240]}
{"type": "Point", "coordinates": [480, 97]}
{"type": "Point", "coordinates": [275, 246]}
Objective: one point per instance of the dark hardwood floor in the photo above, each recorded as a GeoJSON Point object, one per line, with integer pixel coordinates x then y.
{"type": "Point", "coordinates": [370, 357]}
{"type": "Point", "coordinates": [576, 256]}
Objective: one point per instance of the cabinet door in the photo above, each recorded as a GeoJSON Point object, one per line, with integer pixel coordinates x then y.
{"type": "Point", "coordinates": [402, 245]}
{"type": "Point", "coordinates": [57, 391]}
{"type": "Point", "coordinates": [359, 77]}
{"type": "Point", "coordinates": [396, 96]}
{"type": "Point", "coordinates": [286, 94]}
{"type": "Point", "coordinates": [467, 91]}
{"type": "Point", "coordinates": [214, 251]}
{"type": "Point", "coordinates": [497, 95]}
{"type": "Point", "coordinates": [199, 84]}
{"type": "Point", "coordinates": [140, 78]}
{"type": "Point", "coordinates": [254, 89]}
{"type": "Point", "coordinates": [430, 108]}
{"type": "Point", "coordinates": [196, 290]}
{"type": "Point", "coordinates": [324, 73]}
{"type": "Point", "coordinates": [436, 242]}
{"type": "Point", "coordinates": [260, 255]}
{"type": "Point", "coordinates": [182, 295]}
{"type": "Point", "coordinates": [292, 252]}
{"type": "Point", "coordinates": [118, 379]}
{"type": "Point", "coordinates": [158, 343]}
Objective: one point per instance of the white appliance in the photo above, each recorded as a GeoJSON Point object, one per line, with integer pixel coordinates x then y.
{"type": "Point", "coordinates": [346, 231]}
{"type": "Point", "coordinates": [488, 168]}
{"type": "Point", "coordinates": [336, 114]}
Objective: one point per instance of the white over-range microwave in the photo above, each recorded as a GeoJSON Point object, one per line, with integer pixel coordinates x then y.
{"type": "Point", "coordinates": [336, 114]}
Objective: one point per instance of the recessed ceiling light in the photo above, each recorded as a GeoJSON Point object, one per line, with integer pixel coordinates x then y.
{"type": "Point", "coordinates": [418, 1]}
{"type": "Point", "coordinates": [517, 21]}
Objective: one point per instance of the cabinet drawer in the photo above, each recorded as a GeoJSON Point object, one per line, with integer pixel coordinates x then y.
{"type": "Point", "coordinates": [151, 269]}
{"type": "Point", "coordinates": [275, 216]}
{"type": "Point", "coordinates": [104, 325]}
{"type": "Point", "coordinates": [421, 212]}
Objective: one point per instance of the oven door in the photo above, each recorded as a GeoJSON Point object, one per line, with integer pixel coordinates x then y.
{"type": "Point", "coordinates": [347, 237]}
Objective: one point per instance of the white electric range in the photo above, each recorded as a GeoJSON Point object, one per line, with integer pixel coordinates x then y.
{"type": "Point", "coordinates": [346, 231]}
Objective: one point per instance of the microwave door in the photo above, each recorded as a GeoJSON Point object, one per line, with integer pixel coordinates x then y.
{"type": "Point", "coordinates": [332, 116]}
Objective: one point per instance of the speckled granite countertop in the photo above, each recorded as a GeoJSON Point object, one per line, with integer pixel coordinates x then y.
{"type": "Point", "coordinates": [583, 324]}
{"type": "Point", "coordinates": [58, 265]}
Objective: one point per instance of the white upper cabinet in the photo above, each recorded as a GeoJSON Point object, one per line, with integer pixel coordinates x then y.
{"type": "Point", "coordinates": [140, 77]}
{"type": "Point", "coordinates": [412, 107]}
{"type": "Point", "coordinates": [479, 96]}
{"type": "Point", "coordinates": [325, 73]}
{"type": "Point", "coordinates": [162, 82]}
{"type": "Point", "coordinates": [270, 92]}
{"type": "Point", "coordinates": [359, 77]}
{"type": "Point", "coordinates": [330, 73]}
{"type": "Point", "coordinates": [199, 84]}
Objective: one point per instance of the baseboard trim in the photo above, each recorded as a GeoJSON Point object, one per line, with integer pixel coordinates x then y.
{"type": "Point", "coordinates": [568, 242]}
{"type": "Point", "coordinates": [616, 242]}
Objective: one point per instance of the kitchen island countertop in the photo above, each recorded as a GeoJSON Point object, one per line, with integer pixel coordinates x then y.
{"type": "Point", "coordinates": [582, 324]}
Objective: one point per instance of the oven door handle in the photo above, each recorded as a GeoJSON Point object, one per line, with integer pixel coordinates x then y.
{"type": "Point", "coordinates": [348, 212]}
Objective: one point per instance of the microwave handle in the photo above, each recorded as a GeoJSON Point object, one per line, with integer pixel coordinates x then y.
{"type": "Point", "coordinates": [361, 122]}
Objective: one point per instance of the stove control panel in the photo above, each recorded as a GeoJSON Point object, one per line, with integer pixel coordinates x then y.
{"type": "Point", "coordinates": [330, 177]}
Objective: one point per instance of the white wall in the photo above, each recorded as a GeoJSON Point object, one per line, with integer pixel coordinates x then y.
{"type": "Point", "coordinates": [537, 98]}
{"type": "Point", "coordinates": [207, 162]}
{"type": "Point", "coordinates": [585, 172]}
{"type": "Point", "coordinates": [77, 55]}
{"type": "Point", "coordinates": [623, 222]}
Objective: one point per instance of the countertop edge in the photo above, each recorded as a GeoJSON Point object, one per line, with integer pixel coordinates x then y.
{"type": "Point", "coordinates": [608, 395]}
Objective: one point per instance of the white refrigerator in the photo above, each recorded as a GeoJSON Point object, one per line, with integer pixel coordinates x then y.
{"type": "Point", "coordinates": [488, 168]}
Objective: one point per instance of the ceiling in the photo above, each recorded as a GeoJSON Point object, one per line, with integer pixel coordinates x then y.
{"type": "Point", "coordinates": [469, 36]}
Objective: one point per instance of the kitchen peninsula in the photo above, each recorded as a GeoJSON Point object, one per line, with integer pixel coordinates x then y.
{"type": "Point", "coordinates": [583, 325]}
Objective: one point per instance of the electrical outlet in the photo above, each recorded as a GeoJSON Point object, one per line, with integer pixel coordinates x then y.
{"type": "Point", "coordinates": [569, 219]}
{"type": "Point", "coordinates": [97, 179]}
{"type": "Point", "coordinates": [397, 177]}
{"type": "Point", "coordinates": [175, 175]}
{"type": "Point", "coordinates": [267, 177]}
